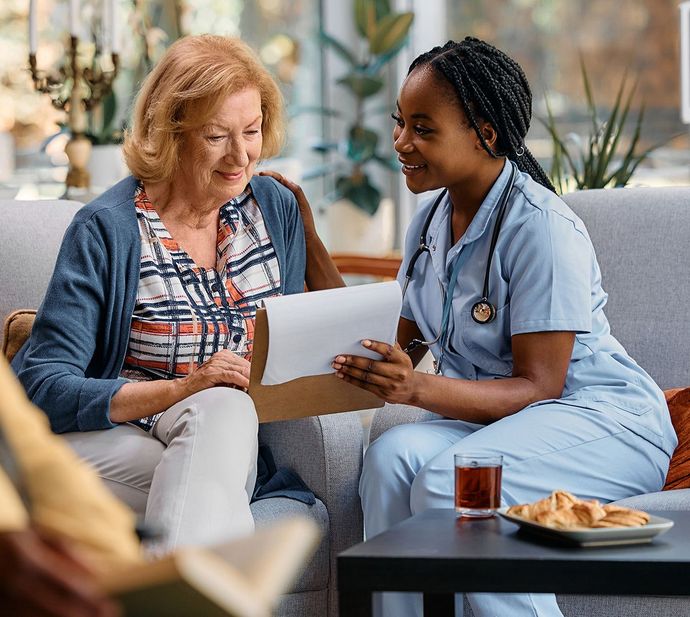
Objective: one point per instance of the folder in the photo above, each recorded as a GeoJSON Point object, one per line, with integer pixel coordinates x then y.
{"type": "Point", "coordinates": [306, 396]}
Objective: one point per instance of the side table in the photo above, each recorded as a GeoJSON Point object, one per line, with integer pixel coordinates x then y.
{"type": "Point", "coordinates": [439, 555]}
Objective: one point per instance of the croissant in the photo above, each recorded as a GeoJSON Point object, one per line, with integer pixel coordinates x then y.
{"type": "Point", "coordinates": [562, 510]}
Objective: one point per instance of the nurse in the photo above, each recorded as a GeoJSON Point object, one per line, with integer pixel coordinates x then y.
{"type": "Point", "coordinates": [508, 298]}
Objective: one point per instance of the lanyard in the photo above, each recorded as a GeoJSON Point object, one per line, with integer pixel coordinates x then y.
{"type": "Point", "coordinates": [444, 334]}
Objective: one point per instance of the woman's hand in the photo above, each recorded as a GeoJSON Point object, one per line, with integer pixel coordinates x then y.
{"type": "Point", "coordinates": [392, 378]}
{"type": "Point", "coordinates": [302, 201]}
{"type": "Point", "coordinates": [224, 368]}
{"type": "Point", "coordinates": [145, 398]}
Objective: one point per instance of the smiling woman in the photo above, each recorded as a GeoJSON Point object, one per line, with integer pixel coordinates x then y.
{"type": "Point", "coordinates": [502, 285]}
{"type": "Point", "coordinates": [141, 349]}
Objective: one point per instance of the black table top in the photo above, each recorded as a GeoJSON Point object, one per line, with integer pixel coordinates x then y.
{"type": "Point", "coordinates": [433, 551]}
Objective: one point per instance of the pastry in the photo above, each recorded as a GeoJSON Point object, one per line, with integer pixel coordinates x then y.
{"type": "Point", "coordinates": [562, 510]}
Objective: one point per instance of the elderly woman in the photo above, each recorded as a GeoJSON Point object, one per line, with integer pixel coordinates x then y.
{"type": "Point", "coordinates": [140, 350]}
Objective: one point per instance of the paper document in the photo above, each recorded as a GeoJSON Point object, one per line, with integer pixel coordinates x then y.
{"type": "Point", "coordinates": [307, 331]}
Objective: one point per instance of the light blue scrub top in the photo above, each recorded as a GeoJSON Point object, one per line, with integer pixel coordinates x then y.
{"type": "Point", "coordinates": [544, 276]}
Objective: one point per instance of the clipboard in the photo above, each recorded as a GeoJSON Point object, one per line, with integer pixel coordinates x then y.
{"type": "Point", "coordinates": [316, 395]}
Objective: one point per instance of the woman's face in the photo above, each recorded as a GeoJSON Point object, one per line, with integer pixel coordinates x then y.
{"type": "Point", "coordinates": [218, 160]}
{"type": "Point", "coordinates": [432, 137]}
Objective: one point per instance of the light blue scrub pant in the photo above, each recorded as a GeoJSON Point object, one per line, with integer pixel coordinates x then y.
{"type": "Point", "coordinates": [547, 446]}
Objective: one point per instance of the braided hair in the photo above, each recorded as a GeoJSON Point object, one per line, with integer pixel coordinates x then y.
{"type": "Point", "coordinates": [493, 87]}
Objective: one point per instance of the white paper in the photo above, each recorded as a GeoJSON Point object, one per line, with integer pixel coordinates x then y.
{"type": "Point", "coordinates": [307, 331]}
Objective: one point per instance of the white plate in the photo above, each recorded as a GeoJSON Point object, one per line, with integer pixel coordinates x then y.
{"type": "Point", "coordinates": [601, 536]}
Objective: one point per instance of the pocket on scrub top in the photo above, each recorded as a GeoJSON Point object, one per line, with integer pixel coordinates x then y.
{"type": "Point", "coordinates": [488, 344]}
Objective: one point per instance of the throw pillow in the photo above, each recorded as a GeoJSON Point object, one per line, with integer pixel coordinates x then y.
{"type": "Point", "coordinates": [679, 470]}
{"type": "Point", "coordinates": [17, 329]}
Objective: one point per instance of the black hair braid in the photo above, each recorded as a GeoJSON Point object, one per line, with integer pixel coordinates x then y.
{"type": "Point", "coordinates": [493, 87]}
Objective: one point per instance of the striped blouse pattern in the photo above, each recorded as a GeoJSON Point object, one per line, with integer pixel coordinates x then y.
{"type": "Point", "coordinates": [184, 313]}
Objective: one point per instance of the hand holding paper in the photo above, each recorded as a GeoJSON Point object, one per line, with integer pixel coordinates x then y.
{"type": "Point", "coordinates": [307, 331]}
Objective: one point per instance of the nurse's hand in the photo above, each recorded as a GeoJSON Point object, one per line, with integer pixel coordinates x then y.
{"type": "Point", "coordinates": [302, 202]}
{"type": "Point", "coordinates": [392, 378]}
{"type": "Point", "coordinates": [320, 272]}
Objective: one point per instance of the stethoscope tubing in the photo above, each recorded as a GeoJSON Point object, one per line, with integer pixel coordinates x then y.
{"type": "Point", "coordinates": [448, 300]}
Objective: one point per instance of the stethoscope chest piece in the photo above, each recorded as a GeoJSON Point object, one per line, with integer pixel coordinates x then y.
{"type": "Point", "coordinates": [483, 311]}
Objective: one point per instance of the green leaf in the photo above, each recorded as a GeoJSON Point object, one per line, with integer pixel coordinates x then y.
{"type": "Point", "coordinates": [391, 163]}
{"type": "Point", "coordinates": [362, 86]}
{"type": "Point", "coordinates": [557, 172]}
{"type": "Point", "coordinates": [590, 97]}
{"type": "Point", "coordinates": [362, 144]}
{"type": "Point", "coordinates": [614, 130]}
{"type": "Point", "coordinates": [551, 128]}
{"type": "Point", "coordinates": [339, 48]}
{"type": "Point", "coordinates": [360, 191]}
{"type": "Point", "coordinates": [390, 32]}
{"type": "Point", "coordinates": [368, 12]}
{"type": "Point", "coordinates": [623, 173]}
{"type": "Point", "coordinates": [325, 146]}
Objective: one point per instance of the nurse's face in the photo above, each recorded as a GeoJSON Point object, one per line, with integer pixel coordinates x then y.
{"type": "Point", "coordinates": [434, 141]}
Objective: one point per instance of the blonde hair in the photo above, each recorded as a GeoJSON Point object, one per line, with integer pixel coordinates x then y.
{"type": "Point", "coordinates": [183, 92]}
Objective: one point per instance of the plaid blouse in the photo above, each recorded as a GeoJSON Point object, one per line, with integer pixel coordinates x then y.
{"type": "Point", "coordinates": [183, 313]}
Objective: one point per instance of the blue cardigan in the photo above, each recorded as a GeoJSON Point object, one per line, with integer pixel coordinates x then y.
{"type": "Point", "coordinates": [70, 365]}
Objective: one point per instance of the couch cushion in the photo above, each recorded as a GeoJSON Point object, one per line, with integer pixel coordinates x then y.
{"type": "Point", "coordinates": [16, 330]}
{"type": "Point", "coordinates": [679, 470]}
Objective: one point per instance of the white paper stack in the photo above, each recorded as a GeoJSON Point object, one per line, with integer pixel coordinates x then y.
{"type": "Point", "coordinates": [307, 331]}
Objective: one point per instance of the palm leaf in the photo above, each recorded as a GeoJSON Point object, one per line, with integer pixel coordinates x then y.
{"type": "Point", "coordinates": [589, 95]}
{"type": "Point", "coordinates": [622, 174]}
{"type": "Point", "coordinates": [606, 159]}
{"type": "Point", "coordinates": [559, 142]}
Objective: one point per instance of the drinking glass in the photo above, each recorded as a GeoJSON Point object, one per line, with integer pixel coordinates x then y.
{"type": "Point", "coordinates": [477, 485]}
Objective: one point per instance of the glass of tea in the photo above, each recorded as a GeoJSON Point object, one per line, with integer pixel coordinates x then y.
{"type": "Point", "coordinates": [477, 485]}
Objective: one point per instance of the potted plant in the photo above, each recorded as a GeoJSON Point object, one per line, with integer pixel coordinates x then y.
{"type": "Point", "coordinates": [604, 158]}
{"type": "Point", "coordinates": [382, 33]}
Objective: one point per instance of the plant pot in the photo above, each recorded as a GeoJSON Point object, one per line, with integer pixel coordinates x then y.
{"type": "Point", "coordinates": [351, 230]}
{"type": "Point", "coordinates": [106, 166]}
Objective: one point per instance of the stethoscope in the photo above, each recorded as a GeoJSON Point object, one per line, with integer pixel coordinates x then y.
{"type": "Point", "coordinates": [482, 311]}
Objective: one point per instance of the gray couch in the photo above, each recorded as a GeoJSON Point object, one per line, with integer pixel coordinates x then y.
{"type": "Point", "coordinates": [642, 240]}
{"type": "Point", "coordinates": [326, 451]}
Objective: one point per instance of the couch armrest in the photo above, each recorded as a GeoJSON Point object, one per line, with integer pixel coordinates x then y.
{"type": "Point", "coordinates": [663, 500]}
{"type": "Point", "coordinates": [392, 415]}
{"type": "Point", "coordinates": [326, 451]}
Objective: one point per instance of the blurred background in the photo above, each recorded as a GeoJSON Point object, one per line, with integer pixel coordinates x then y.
{"type": "Point", "coordinates": [339, 133]}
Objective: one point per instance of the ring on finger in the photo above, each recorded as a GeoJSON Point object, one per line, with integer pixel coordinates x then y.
{"type": "Point", "coordinates": [366, 376]}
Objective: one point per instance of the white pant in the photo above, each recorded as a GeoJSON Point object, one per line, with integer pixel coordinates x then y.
{"type": "Point", "coordinates": [544, 447]}
{"type": "Point", "coordinates": [195, 471]}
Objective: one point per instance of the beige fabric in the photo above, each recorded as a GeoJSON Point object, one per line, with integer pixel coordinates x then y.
{"type": "Point", "coordinates": [197, 467]}
{"type": "Point", "coordinates": [13, 515]}
{"type": "Point", "coordinates": [66, 496]}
